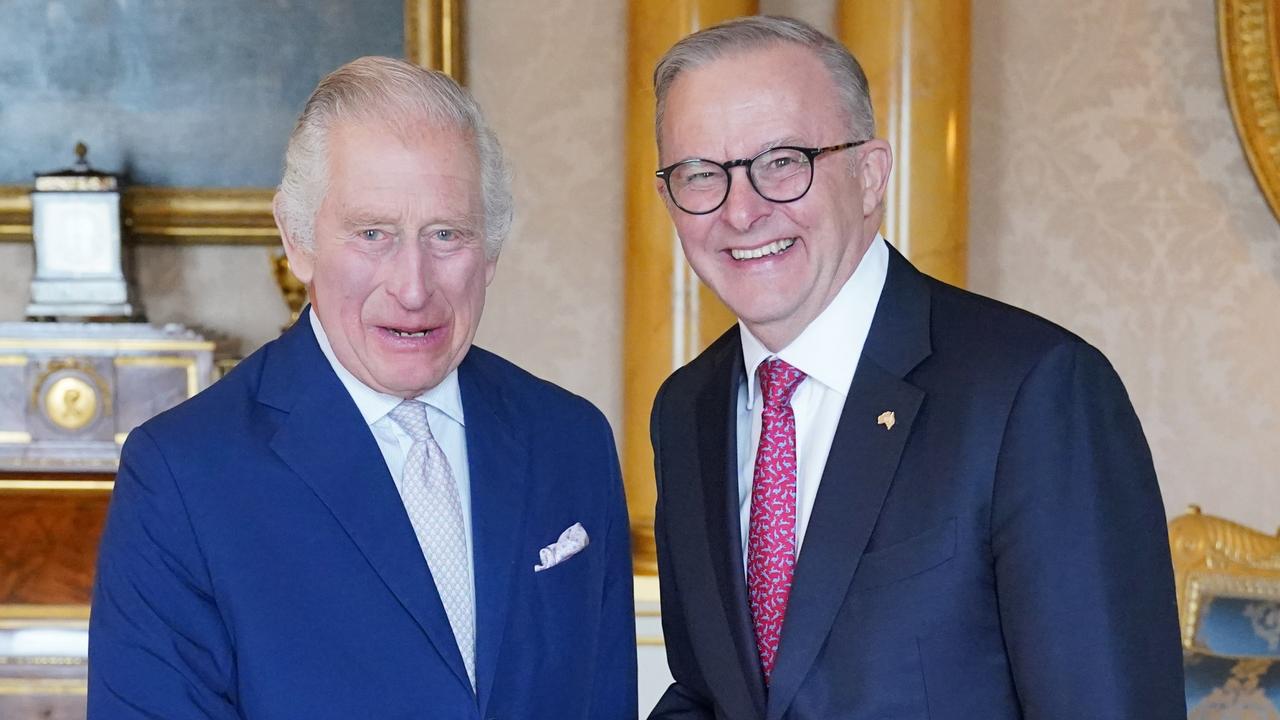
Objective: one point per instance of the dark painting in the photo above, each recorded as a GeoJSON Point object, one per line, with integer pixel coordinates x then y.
{"type": "Point", "coordinates": [180, 93]}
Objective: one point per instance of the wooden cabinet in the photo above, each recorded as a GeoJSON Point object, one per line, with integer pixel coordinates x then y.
{"type": "Point", "coordinates": [49, 529]}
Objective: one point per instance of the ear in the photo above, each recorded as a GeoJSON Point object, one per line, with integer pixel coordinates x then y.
{"type": "Point", "coordinates": [301, 260]}
{"type": "Point", "coordinates": [873, 172]}
{"type": "Point", "coordinates": [490, 270]}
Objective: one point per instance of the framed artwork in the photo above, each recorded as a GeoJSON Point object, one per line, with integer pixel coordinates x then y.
{"type": "Point", "coordinates": [192, 101]}
{"type": "Point", "coordinates": [1249, 35]}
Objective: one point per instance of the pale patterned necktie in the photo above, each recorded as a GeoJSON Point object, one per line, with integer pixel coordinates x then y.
{"type": "Point", "coordinates": [430, 497]}
{"type": "Point", "coordinates": [771, 539]}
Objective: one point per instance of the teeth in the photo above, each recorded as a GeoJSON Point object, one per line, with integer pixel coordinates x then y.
{"type": "Point", "coordinates": [401, 333]}
{"type": "Point", "coordinates": [772, 248]}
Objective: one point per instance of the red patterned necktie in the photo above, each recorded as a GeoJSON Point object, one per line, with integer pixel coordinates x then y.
{"type": "Point", "coordinates": [771, 539]}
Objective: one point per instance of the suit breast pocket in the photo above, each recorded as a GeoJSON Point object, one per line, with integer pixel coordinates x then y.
{"type": "Point", "coordinates": [908, 558]}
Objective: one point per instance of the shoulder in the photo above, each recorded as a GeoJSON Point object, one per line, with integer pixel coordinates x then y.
{"type": "Point", "coordinates": [720, 358]}
{"type": "Point", "coordinates": [524, 394]}
{"type": "Point", "coordinates": [996, 337]}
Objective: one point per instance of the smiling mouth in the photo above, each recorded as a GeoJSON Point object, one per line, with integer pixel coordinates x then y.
{"type": "Point", "coordinates": [777, 247]}
{"type": "Point", "coordinates": [405, 333]}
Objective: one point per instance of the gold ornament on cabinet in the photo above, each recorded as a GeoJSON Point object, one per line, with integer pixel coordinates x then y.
{"type": "Point", "coordinates": [294, 292]}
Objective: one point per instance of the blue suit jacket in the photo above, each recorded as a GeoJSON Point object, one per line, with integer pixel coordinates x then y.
{"type": "Point", "coordinates": [257, 560]}
{"type": "Point", "coordinates": [999, 553]}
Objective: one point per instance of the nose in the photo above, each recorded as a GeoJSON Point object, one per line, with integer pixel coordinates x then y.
{"type": "Point", "coordinates": [408, 273]}
{"type": "Point", "coordinates": [743, 206]}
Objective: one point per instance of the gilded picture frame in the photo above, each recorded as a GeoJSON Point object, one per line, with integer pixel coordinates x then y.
{"type": "Point", "coordinates": [1249, 36]}
{"type": "Point", "coordinates": [434, 37]}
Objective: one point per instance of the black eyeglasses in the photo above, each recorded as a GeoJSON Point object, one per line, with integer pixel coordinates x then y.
{"type": "Point", "coordinates": [781, 174]}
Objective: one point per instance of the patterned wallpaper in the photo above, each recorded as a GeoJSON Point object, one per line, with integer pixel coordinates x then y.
{"type": "Point", "coordinates": [1110, 194]}
{"type": "Point", "coordinates": [549, 76]}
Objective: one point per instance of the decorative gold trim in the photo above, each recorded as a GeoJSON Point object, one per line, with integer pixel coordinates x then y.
{"type": "Point", "coordinates": [193, 376]}
{"type": "Point", "coordinates": [75, 365]}
{"type": "Point", "coordinates": [13, 360]}
{"type": "Point", "coordinates": [45, 660]}
{"type": "Point", "coordinates": [47, 344]}
{"type": "Point", "coordinates": [669, 315]}
{"type": "Point", "coordinates": [43, 686]}
{"type": "Point", "coordinates": [650, 641]}
{"type": "Point", "coordinates": [916, 57]}
{"type": "Point", "coordinates": [19, 616]}
{"type": "Point", "coordinates": [55, 486]}
{"type": "Point", "coordinates": [15, 437]}
{"type": "Point", "coordinates": [1202, 589]}
{"type": "Point", "coordinates": [434, 37]}
{"type": "Point", "coordinates": [1212, 553]}
{"type": "Point", "coordinates": [1247, 36]}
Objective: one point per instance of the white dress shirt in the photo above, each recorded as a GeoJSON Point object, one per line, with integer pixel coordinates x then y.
{"type": "Point", "coordinates": [444, 414]}
{"type": "Point", "coordinates": [827, 352]}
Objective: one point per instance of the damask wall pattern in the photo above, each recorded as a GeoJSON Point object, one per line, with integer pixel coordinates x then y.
{"type": "Point", "coordinates": [1109, 193]}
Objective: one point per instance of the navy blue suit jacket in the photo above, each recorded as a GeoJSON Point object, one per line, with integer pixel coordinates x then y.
{"type": "Point", "coordinates": [257, 560]}
{"type": "Point", "coordinates": [999, 553]}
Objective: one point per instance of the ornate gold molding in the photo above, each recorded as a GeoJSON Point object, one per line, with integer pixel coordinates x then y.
{"type": "Point", "coordinates": [60, 486]}
{"type": "Point", "coordinates": [1214, 556]}
{"type": "Point", "coordinates": [670, 315]}
{"type": "Point", "coordinates": [916, 56]}
{"type": "Point", "coordinates": [1248, 33]}
{"type": "Point", "coordinates": [434, 37]}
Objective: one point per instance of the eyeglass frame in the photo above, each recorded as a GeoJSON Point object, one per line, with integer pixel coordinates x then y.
{"type": "Point", "coordinates": [810, 153]}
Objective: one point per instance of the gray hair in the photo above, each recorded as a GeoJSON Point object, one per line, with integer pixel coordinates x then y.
{"type": "Point", "coordinates": [386, 90]}
{"type": "Point", "coordinates": [756, 32]}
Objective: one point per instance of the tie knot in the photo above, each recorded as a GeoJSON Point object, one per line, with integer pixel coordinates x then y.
{"type": "Point", "coordinates": [411, 416]}
{"type": "Point", "coordinates": [778, 381]}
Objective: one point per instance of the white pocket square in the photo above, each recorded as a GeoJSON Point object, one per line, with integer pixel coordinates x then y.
{"type": "Point", "coordinates": [571, 542]}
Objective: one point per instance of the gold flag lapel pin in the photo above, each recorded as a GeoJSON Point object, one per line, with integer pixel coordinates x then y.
{"type": "Point", "coordinates": [886, 419]}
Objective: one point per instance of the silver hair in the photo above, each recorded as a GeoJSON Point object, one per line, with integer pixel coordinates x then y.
{"type": "Point", "coordinates": [398, 93]}
{"type": "Point", "coordinates": [756, 32]}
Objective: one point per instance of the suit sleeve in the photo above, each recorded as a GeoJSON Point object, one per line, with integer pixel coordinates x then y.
{"type": "Point", "coordinates": [1083, 573]}
{"type": "Point", "coordinates": [157, 645]}
{"type": "Point", "coordinates": [687, 698]}
{"type": "Point", "coordinates": [614, 694]}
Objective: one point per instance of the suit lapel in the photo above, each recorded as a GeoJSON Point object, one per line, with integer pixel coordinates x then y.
{"type": "Point", "coordinates": [860, 468]}
{"type": "Point", "coordinates": [717, 453]}
{"type": "Point", "coordinates": [498, 458]}
{"type": "Point", "coordinates": [326, 442]}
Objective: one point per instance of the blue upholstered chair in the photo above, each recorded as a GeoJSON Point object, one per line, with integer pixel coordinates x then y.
{"type": "Point", "coordinates": [1228, 580]}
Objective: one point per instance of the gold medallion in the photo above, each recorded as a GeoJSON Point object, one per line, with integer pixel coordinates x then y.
{"type": "Point", "coordinates": [71, 403]}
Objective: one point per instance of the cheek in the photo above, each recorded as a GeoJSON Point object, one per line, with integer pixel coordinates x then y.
{"type": "Point", "coordinates": [694, 231]}
{"type": "Point", "coordinates": [345, 279]}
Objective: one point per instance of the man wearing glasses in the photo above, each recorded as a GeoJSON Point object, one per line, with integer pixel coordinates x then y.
{"type": "Point", "coordinates": [879, 496]}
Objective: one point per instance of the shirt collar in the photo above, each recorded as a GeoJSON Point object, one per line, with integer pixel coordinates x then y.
{"type": "Point", "coordinates": [373, 405]}
{"type": "Point", "coordinates": [829, 348]}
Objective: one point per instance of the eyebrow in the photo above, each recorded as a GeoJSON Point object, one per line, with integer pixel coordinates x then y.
{"type": "Point", "coordinates": [363, 220]}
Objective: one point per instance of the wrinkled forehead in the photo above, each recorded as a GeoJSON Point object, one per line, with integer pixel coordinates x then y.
{"type": "Point", "coordinates": [743, 102]}
{"type": "Point", "coordinates": [385, 144]}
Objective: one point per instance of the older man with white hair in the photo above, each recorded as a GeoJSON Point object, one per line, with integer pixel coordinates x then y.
{"type": "Point", "coordinates": [369, 517]}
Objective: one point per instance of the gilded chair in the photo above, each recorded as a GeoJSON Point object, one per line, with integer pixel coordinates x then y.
{"type": "Point", "coordinates": [1228, 582]}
